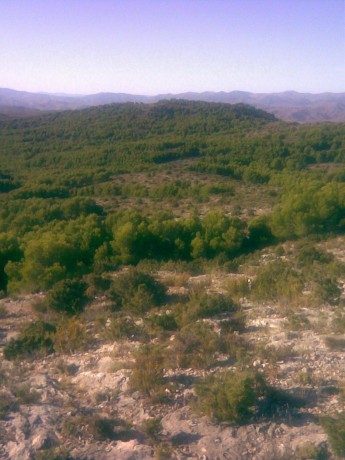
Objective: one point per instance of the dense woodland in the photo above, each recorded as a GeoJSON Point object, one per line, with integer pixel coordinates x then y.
{"type": "Point", "coordinates": [92, 190]}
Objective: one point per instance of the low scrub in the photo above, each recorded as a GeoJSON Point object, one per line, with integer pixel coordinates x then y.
{"type": "Point", "coordinates": [231, 397]}
{"type": "Point", "coordinates": [68, 296]}
{"type": "Point", "coordinates": [238, 397]}
{"type": "Point", "coordinates": [277, 282]}
{"type": "Point", "coordinates": [3, 312]}
{"type": "Point", "coordinates": [335, 343]}
{"type": "Point", "coordinates": [70, 335]}
{"type": "Point", "coordinates": [194, 346]}
{"type": "Point", "coordinates": [202, 306]}
{"type": "Point", "coordinates": [162, 321]}
{"type": "Point", "coordinates": [124, 327]}
{"type": "Point", "coordinates": [95, 426]}
{"type": "Point", "coordinates": [34, 337]}
{"type": "Point", "coordinates": [238, 288]}
{"type": "Point", "coordinates": [8, 403]}
{"type": "Point", "coordinates": [309, 451]}
{"type": "Point", "coordinates": [137, 292]}
{"type": "Point", "coordinates": [148, 372]}
{"type": "Point", "coordinates": [335, 429]}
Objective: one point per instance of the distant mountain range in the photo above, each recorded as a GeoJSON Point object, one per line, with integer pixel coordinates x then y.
{"type": "Point", "coordinates": [288, 105]}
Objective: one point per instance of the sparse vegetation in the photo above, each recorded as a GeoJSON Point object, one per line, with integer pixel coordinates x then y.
{"type": "Point", "coordinates": [148, 372]}
{"type": "Point", "coordinates": [335, 429]}
{"type": "Point", "coordinates": [34, 337]}
{"type": "Point", "coordinates": [70, 336]}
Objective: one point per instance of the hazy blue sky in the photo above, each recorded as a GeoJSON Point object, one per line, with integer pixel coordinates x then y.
{"type": "Point", "coordinates": [158, 46]}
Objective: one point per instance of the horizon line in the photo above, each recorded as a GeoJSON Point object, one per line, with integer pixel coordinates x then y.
{"type": "Point", "coordinates": [66, 94]}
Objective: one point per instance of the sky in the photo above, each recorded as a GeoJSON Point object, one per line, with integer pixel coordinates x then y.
{"type": "Point", "coordinates": [172, 46]}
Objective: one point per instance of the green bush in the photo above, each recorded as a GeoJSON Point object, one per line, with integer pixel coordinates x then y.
{"type": "Point", "coordinates": [238, 288]}
{"type": "Point", "coordinates": [70, 335]}
{"type": "Point", "coordinates": [327, 290]}
{"type": "Point", "coordinates": [338, 322]}
{"type": "Point", "coordinates": [194, 346]}
{"type": "Point", "coordinates": [202, 306]}
{"type": "Point", "coordinates": [335, 343]}
{"type": "Point", "coordinates": [68, 296]}
{"type": "Point", "coordinates": [54, 453]}
{"type": "Point", "coordinates": [7, 404]}
{"type": "Point", "coordinates": [309, 451]}
{"type": "Point", "coordinates": [308, 254]}
{"type": "Point", "coordinates": [137, 291]}
{"type": "Point", "coordinates": [162, 321]}
{"type": "Point", "coordinates": [35, 336]}
{"type": "Point", "coordinates": [236, 323]}
{"type": "Point", "coordinates": [335, 429]}
{"type": "Point", "coordinates": [124, 327]}
{"type": "Point", "coordinates": [230, 397]}
{"type": "Point", "coordinates": [3, 312]}
{"type": "Point", "coordinates": [95, 426]}
{"type": "Point", "coordinates": [277, 281]}
{"type": "Point", "coordinates": [234, 345]}
{"type": "Point", "coordinates": [152, 427]}
{"type": "Point", "coordinates": [148, 372]}
{"type": "Point", "coordinates": [214, 304]}
{"type": "Point", "coordinates": [24, 394]}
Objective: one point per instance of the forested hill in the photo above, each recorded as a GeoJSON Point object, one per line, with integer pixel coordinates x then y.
{"type": "Point", "coordinates": [123, 134]}
{"type": "Point", "coordinates": [115, 138]}
{"type": "Point", "coordinates": [131, 121]}
{"type": "Point", "coordinates": [80, 190]}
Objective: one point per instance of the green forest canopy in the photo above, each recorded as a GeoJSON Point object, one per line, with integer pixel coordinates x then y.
{"type": "Point", "coordinates": [79, 189]}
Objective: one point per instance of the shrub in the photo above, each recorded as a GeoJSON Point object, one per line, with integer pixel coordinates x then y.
{"type": "Point", "coordinates": [98, 427]}
{"type": "Point", "coordinates": [68, 296]}
{"type": "Point", "coordinates": [308, 254]}
{"type": "Point", "coordinates": [203, 306]}
{"type": "Point", "coordinates": [214, 304]}
{"type": "Point", "coordinates": [3, 312]}
{"type": "Point", "coordinates": [152, 428]}
{"type": "Point", "coordinates": [35, 336]}
{"type": "Point", "coordinates": [148, 372]}
{"type": "Point", "coordinates": [162, 321]}
{"type": "Point", "coordinates": [54, 453]}
{"type": "Point", "coordinates": [338, 322]}
{"type": "Point", "coordinates": [230, 397]}
{"type": "Point", "coordinates": [163, 451]}
{"type": "Point", "coordinates": [97, 284]}
{"type": "Point", "coordinates": [124, 327]}
{"type": "Point", "coordinates": [25, 394]}
{"type": "Point", "coordinates": [277, 281]}
{"type": "Point", "coordinates": [137, 291]}
{"type": "Point", "coordinates": [298, 322]}
{"type": "Point", "coordinates": [236, 323]}
{"type": "Point", "coordinates": [309, 451]}
{"type": "Point", "coordinates": [236, 397]}
{"type": "Point", "coordinates": [235, 347]}
{"type": "Point", "coordinates": [327, 290]}
{"type": "Point", "coordinates": [335, 343]}
{"type": "Point", "coordinates": [39, 306]}
{"type": "Point", "coordinates": [194, 346]}
{"type": "Point", "coordinates": [335, 429]}
{"type": "Point", "coordinates": [238, 288]}
{"type": "Point", "coordinates": [7, 404]}
{"type": "Point", "coordinates": [70, 336]}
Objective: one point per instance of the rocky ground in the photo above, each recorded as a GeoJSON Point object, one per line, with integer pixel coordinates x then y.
{"type": "Point", "coordinates": [57, 402]}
